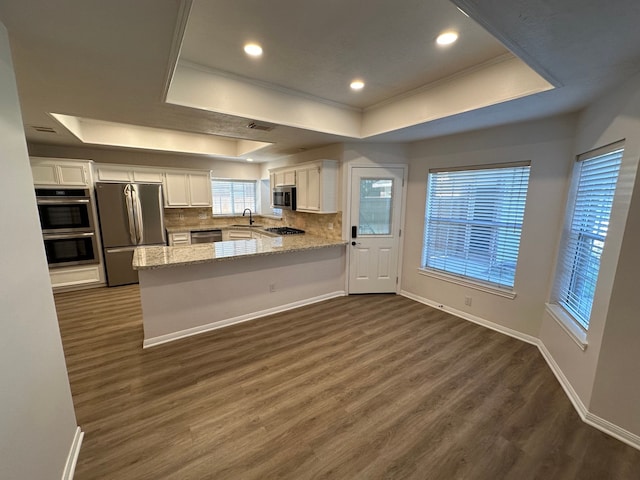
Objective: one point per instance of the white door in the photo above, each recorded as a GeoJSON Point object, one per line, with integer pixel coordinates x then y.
{"type": "Point", "coordinates": [376, 208]}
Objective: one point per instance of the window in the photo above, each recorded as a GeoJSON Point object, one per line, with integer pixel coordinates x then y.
{"type": "Point", "coordinates": [231, 197]}
{"type": "Point", "coordinates": [587, 225]}
{"type": "Point", "coordinates": [376, 206]}
{"type": "Point", "coordinates": [473, 222]}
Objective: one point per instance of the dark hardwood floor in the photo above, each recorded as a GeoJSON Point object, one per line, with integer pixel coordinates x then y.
{"type": "Point", "coordinates": [360, 387]}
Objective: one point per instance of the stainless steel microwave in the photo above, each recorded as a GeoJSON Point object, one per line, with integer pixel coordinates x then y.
{"type": "Point", "coordinates": [284, 197]}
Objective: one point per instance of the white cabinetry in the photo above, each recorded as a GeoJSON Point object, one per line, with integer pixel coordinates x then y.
{"type": "Point", "coordinates": [75, 276]}
{"type": "Point", "coordinates": [187, 189]}
{"type": "Point", "coordinates": [63, 172]}
{"type": "Point", "coordinates": [200, 189]}
{"type": "Point", "coordinates": [176, 192]}
{"type": "Point", "coordinates": [242, 234]}
{"type": "Point", "coordinates": [127, 173]}
{"type": "Point", "coordinates": [316, 187]}
{"type": "Point", "coordinates": [182, 188]}
{"type": "Point", "coordinates": [180, 238]}
{"type": "Point", "coordinates": [285, 177]}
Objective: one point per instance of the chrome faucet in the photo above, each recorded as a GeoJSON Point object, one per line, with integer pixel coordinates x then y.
{"type": "Point", "coordinates": [251, 220]}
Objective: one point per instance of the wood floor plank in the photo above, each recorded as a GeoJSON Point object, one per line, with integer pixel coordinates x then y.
{"type": "Point", "coordinates": [360, 387]}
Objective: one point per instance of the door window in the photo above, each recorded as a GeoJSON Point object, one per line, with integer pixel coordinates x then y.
{"type": "Point", "coordinates": [376, 206]}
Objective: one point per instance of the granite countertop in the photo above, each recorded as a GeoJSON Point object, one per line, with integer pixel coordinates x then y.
{"type": "Point", "coordinates": [145, 258]}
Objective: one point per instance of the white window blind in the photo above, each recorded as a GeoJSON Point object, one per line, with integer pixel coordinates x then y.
{"type": "Point", "coordinates": [473, 222]}
{"type": "Point", "coordinates": [583, 242]}
{"type": "Point", "coordinates": [231, 197]}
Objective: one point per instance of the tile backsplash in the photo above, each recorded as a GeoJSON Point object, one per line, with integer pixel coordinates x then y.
{"type": "Point", "coordinates": [325, 225]}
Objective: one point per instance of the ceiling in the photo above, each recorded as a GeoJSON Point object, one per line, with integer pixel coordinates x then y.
{"type": "Point", "coordinates": [178, 66]}
{"type": "Point", "coordinates": [318, 47]}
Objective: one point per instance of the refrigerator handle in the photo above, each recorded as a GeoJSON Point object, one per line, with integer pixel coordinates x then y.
{"type": "Point", "coordinates": [128, 195]}
{"type": "Point", "coordinates": [138, 209]}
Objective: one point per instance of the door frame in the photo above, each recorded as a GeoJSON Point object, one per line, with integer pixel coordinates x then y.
{"type": "Point", "coordinates": [346, 227]}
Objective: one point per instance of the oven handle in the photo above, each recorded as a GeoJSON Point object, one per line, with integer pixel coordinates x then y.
{"type": "Point", "coordinates": [64, 236]}
{"type": "Point", "coordinates": [63, 201]}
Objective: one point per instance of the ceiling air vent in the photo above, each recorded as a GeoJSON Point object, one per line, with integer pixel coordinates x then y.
{"type": "Point", "coordinates": [261, 127]}
{"type": "Point", "coordinates": [43, 129]}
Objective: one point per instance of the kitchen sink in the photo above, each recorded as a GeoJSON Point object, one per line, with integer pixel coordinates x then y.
{"type": "Point", "coordinates": [245, 225]}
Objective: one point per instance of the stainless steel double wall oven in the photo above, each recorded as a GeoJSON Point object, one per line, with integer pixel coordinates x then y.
{"type": "Point", "coordinates": [68, 227]}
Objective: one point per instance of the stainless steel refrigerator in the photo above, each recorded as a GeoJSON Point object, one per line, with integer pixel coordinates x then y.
{"type": "Point", "coordinates": [131, 215]}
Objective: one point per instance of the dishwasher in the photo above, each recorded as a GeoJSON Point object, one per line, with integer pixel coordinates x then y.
{"type": "Point", "coordinates": [206, 236]}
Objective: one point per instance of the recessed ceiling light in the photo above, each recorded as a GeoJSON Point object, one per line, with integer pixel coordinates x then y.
{"type": "Point", "coordinates": [357, 85]}
{"type": "Point", "coordinates": [446, 38]}
{"type": "Point", "coordinates": [249, 159]}
{"type": "Point", "coordinates": [253, 49]}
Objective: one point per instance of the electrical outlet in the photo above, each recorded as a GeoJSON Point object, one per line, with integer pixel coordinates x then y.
{"type": "Point", "coordinates": [203, 215]}
{"type": "Point", "coordinates": [330, 226]}
{"type": "Point", "coordinates": [272, 287]}
{"type": "Point", "coordinates": [467, 301]}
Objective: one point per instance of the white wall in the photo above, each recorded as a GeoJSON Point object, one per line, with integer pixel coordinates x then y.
{"type": "Point", "coordinates": [187, 299]}
{"type": "Point", "coordinates": [548, 144]}
{"type": "Point", "coordinates": [37, 421]}
{"type": "Point", "coordinates": [605, 375]}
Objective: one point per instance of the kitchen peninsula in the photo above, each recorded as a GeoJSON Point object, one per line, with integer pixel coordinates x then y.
{"type": "Point", "coordinates": [186, 290]}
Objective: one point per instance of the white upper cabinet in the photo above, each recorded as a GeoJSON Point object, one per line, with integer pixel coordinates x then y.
{"type": "Point", "coordinates": [308, 189]}
{"type": "Point", "coordinates": [285, 177]}
{"type": "Point", "coordinates": [317, 190]}
{"type": "Point", "coordinates": [60, 172]}
{"type": "Point", "coordinates": [187, 189]}
{"type": "Point", "coordinates": [200, 189]}
{"type": "Point", "coordinates": [128, 173]}
{"type": "Point", "coordinates": [316, 185]}
{"type": "Point", "coordinates": [176, 191]}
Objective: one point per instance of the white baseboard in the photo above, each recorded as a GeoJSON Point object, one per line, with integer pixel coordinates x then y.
{"type": "Point", "coordinates": [472, 318]}
{"type": "Point", "coordinates": [614, 430]}
{"type": "Point", "coordinates": [589, 418]}
{"type": "Point", "coordinates": [72, 458]}
{"type": "Point", "coordinates": [564, 381]}
{"type": "Point", "coordinates": [170, 337]}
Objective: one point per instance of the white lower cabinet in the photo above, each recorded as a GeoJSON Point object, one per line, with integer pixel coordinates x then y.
{"type": "Point", "coordinates": [236, 235]}
{"type": "Point", "coordinates": [75, 276]}
{"type": "Point", "coordinates": [179, 238]}
{"type": "Point", "coordinates": [242, 234]}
